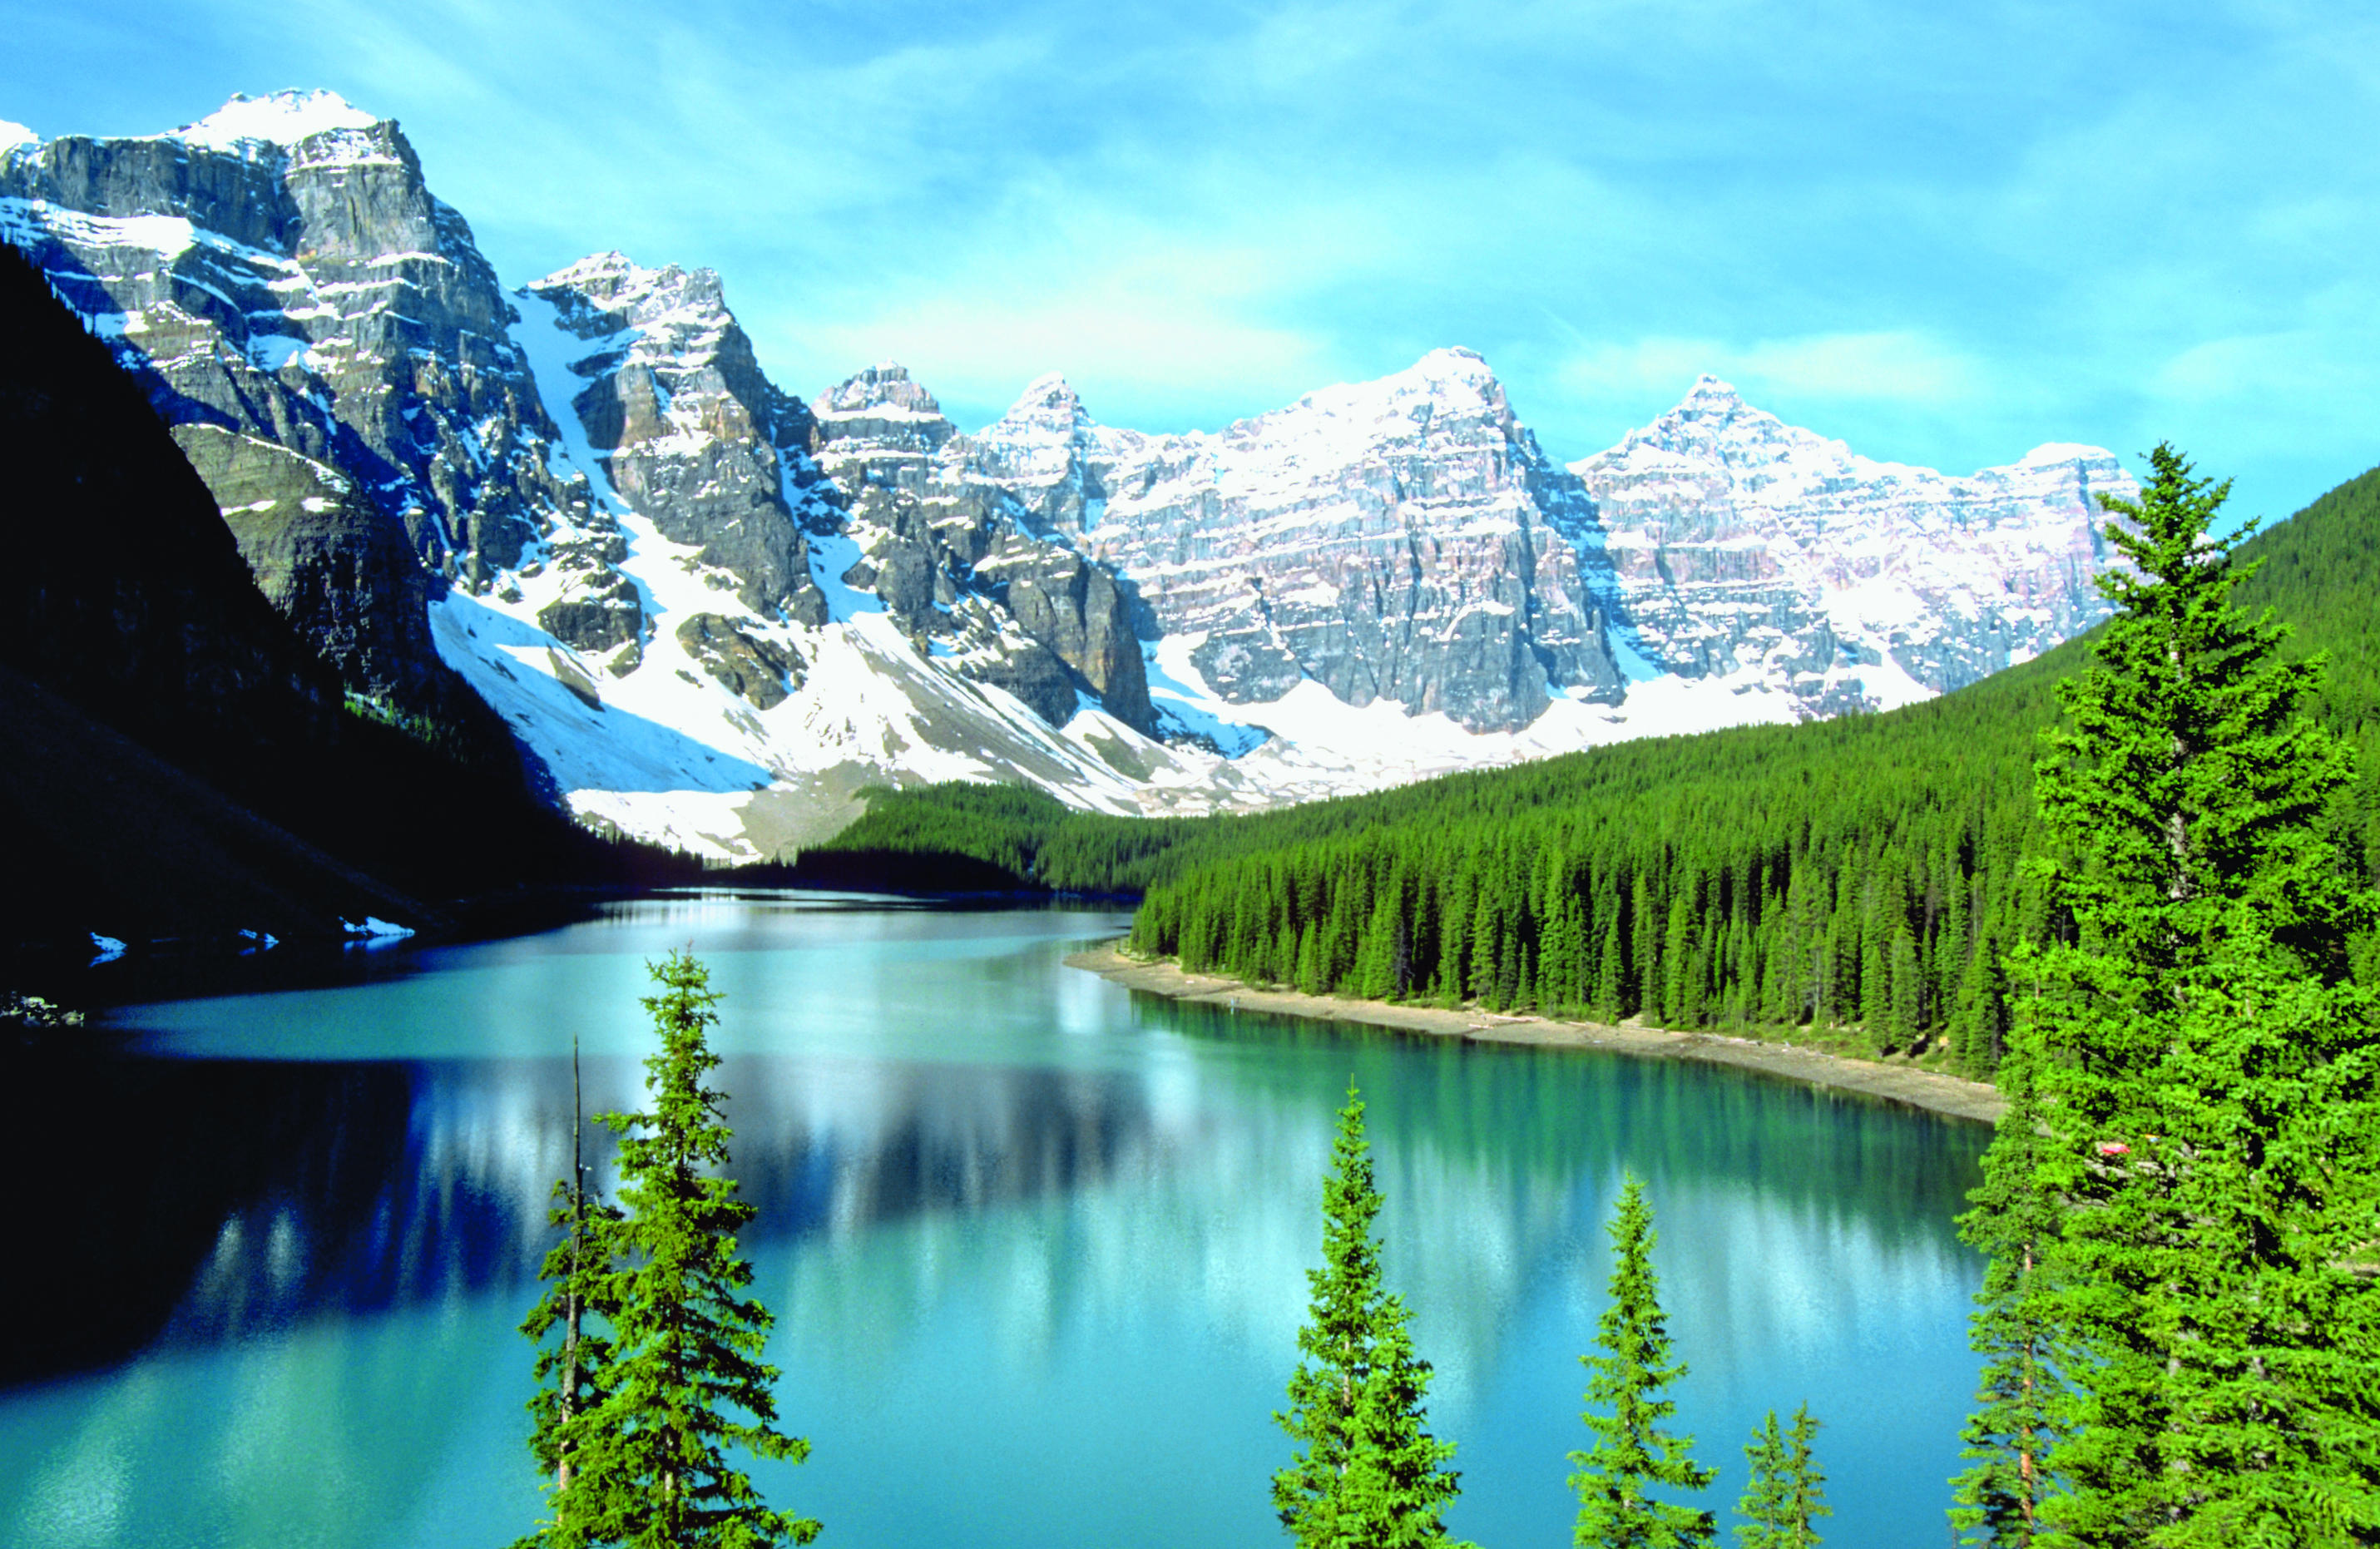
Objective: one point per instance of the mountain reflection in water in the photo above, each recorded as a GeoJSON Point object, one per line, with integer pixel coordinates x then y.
{"type": "Point", "coordinates": [1011, 1218]}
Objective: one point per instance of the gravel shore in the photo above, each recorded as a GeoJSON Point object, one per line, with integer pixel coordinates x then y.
{"type": "Point", "coordinates": [1930, 1090]}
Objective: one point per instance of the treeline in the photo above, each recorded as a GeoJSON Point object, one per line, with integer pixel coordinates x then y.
{"type": "Point", "coordinates": [1860, 876]}
{"type": "Point", "coordinates": [1828, 890]}
{"type": "Point", "coordinates": [1864, 876]}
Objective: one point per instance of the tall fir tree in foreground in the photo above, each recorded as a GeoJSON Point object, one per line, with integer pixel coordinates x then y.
{"type": "Point", "coordinates": [1368, 1474]}
{"type": "Point", "coordinates": [1631, 1452]}
{"type": "Point", "coordinates": [1787, 1494]}
{"type": "Point", "coordinates": [683, 1381]}
{"type": "Point", "coordinates": [2196, 1175]}
{"type": "Point", "coordinates": [573, 1371]}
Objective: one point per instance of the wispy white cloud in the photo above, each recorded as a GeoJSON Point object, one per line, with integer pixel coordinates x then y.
{"type": "Point", "coordinates": [1944, 234]}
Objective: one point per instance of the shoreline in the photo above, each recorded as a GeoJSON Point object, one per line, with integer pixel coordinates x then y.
{"type": "Point", "coordinates": [1933, 1091]}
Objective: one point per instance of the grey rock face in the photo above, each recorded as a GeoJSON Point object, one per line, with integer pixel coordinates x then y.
{"type": "Point", "coordinates": [1741, 543]}
{"type": "Point", "coordinates": [688, 428]}
{"type": "Point", "coordinates": [880, 427]}
{"type": "Point", "coordinates": [326, 558]}
{"type": "Point", "coordinates": [1394, 540]}
{"type": "Point", "coordinates": [966, 570]}
{"type": "Point", "coordinates": [312, 297]}
{"type": "Point", "coordinates": [761, 671]}
{"type": "Point", "coordinates": [606, 615]}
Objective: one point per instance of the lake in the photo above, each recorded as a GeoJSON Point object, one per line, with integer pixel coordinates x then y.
{"type": "Point", "coordinates": [1036, 1244]}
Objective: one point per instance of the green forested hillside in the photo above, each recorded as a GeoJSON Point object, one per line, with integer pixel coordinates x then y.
{"type": "Point", "coordinates": [255, 775]}
{"type": "Point", "coordinates": [1859, 874]}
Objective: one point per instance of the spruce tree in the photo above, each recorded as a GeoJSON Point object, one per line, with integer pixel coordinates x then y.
{"type": "Point", "coordinates": [2011, 1432]}
{"type": "Point", "coordinates": [686, 1382]}
{"type": "Point", "coordinates": [1368, 1474]}
{"type": "Point", "coordinates": [1788, 1493]}
{"type": "Point", "coordinates": [1805, 1487]}
{"type": "Point", "coordinates": [2205, 1069]}
{"type": "Point", "coordinates": [1767, 1499]}
{"type": "Point", "coordinates": [574, 1372]}
{"type": "Point", "coordinates": [1631, 1452]}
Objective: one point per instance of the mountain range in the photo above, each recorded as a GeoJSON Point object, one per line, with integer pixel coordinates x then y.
{"type": "Point", "coordinates": [713, 614]}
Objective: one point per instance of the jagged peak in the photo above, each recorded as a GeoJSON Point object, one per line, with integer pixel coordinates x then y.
{"type": "Point", "coordinates": [608, 265]}
{"type": "Point", "coordinates": [613, 281]}
{"type": "Point", "coordinates": [281, 118]}
{"type": "Point", "coordinates": [1048, 388]}
{"type": "Point", "coordinates": [1715, 406]}
{"type": "Point", "coordinates": [1049, 401]}
{"type": "Point", "coordinates": [885, 385]}
{"type": "Point", "coordinates": [1450, 378]}
{"type": "Point", "coordinates": [12, 134]}
{"type": "Point", "coordinates": [1447, 366]}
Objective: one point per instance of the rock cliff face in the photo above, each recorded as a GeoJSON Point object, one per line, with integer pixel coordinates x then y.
{"type": "Point", "coordinates": [964, 567]}
{"type": "Point", "coordinates": [122, 593]}
{"type": "Point", "coordinates": [1744, 546]}
{"type": "Point", "coordinates": [279, 272]}
{"type": "Point", "coordinates": [1395, 539]}
{"type": "Point", "coordinates": [687, 428]}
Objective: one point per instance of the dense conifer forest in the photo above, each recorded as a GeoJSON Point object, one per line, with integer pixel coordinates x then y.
{"type": "Point", "coordinates": [1858, 879]}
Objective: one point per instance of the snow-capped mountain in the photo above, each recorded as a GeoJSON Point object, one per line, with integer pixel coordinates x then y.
{"type": "Point", "coordinates": [328, 344]}
{"type": "Point", "coordinates": [1394, 540]}
{"type": "Point", "coordinates": [1746, 548]}
{"type": "Point", "coordinates": [714, 613]}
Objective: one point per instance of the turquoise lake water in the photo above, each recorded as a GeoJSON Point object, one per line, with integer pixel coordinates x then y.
{"type": "Point", "coordinates": [1036, 1245]}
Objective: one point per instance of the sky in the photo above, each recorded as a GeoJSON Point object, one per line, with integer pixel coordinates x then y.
{"type": "Point", "coordinates": [1944, 234]}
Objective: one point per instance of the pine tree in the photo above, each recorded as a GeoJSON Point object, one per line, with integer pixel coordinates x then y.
{"type": "Point", "coordinates": [651, 1458]}
{"type": "Point", "coordinates": [2011, 1435]}
{"type": "Point", "coordinates": [1631, 1452]}
{"type": "Point", "coordinates": [1805, 1487]}
{"type": "Point", "coordinates": [1767, 1500]}
{"type": "Point", "coordinates": [574, 1375]}
{"type": "Point", "coordinates": [1788, 1493]}
{"type": "Point", "coordinates": [2204, 1067]}
{"type": "Point", "coordinates": [1367, 1475]}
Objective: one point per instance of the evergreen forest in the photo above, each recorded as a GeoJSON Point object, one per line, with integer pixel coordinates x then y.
{"type": "Point", "coordinates": [1859, 880]}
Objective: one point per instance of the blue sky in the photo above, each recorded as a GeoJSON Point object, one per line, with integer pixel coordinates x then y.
{"type": "Point", "coordinates": [1944, 234]}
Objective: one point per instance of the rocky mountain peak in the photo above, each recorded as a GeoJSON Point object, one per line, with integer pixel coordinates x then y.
{"type": "Point", "coordinates": [280, 273]}
{"type": "Point", "coordinates": [879, 427]}
{"type": "Point", "coordinates": [688, 432]}
{"type": "Point", "coordinates": [676, 311]}
{"type": "Point", "coordinates": [1709, 396]}
{"type": "Point", "coordinates": [597, 274]}
{"type": "Point", "coordinates": [1455, 362]}
{"type": "Point", "coordinates": [1049, 403]}
{"type": "Point", "coordinates": [283, 118]}
{"type": "Point", "coordinates": [1451, 373]}
{"type": "Point", "coordinates": [1713, 425]}
{"type": "Point", "coordinates": [1743, 545]}
{"type": "Point", "coordinates": [880, 390]}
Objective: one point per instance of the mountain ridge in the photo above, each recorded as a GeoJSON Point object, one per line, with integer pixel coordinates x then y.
{"type": "Point", "coordinates": [711, 610]}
